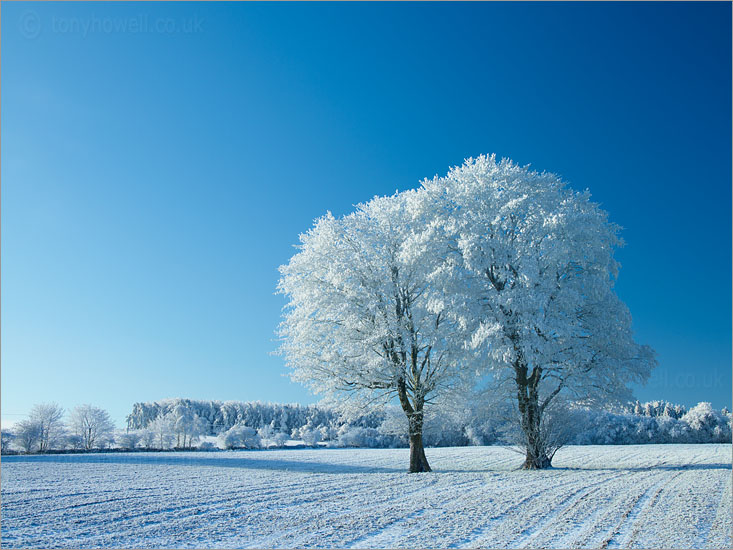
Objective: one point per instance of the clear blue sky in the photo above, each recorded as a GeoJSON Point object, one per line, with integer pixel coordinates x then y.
{"type": "Point", "coordinates": [160, 160]}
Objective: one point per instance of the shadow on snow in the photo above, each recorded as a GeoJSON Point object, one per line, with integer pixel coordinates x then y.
{"type": "Point", "coordinates": [211, 461]}
{"type": "Point", "coordinates": [309, 466]}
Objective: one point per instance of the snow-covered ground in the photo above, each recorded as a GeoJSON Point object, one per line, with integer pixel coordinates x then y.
{"type": "Point", "coordinates": [656, 496]}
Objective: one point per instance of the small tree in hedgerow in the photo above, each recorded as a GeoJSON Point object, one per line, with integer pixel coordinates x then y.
{"type": "Point", "coordinates": [91, 425]}
{"type": "Point", "coordinates": [536, 261]}
{"type": "Point", "coordinates": [368, 313]}
{"type": "Point", "coordinates": [46, 418]}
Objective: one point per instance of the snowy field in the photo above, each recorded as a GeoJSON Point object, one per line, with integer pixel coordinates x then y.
{"type": "Point", "coordinates": [655, 496]}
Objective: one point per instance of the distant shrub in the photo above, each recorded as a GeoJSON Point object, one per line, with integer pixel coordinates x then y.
{"type": "Point", "coordinates": [239, 436]}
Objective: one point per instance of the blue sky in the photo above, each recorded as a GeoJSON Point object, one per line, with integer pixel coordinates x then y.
{"type": "Point", "coordinates": [160, 160]}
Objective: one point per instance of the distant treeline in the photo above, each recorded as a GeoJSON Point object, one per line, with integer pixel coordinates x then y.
{"type": "Point", "coordinates": [220, 416]}
{"type": "Point", "coordinates": [208, 425]}
{"type": "Point", "coordinates": [651, 422]}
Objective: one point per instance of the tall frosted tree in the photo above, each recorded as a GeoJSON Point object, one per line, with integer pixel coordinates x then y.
{"type": "Point", "coordinates": [534, 269]}
{"type": "Point", "coordinates": [367, 311]}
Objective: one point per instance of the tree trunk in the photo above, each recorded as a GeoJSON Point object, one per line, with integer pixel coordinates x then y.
{"type": "Point", "coordinates": [531, 417]}
{"type": "Point", "coordinates": [536, 456]}
{"type": "Point", "coordinates": [418, 460]}
{"type": "Point", "coordinates": [536, 459]}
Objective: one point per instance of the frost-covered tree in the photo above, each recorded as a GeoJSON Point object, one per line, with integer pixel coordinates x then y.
{"type": "Point", "coordinates": [279, 439]}
{"type": "Point", "coordinates": [163, 429]}
{"type": "Point", "coordinates": [128, 439]}
{"type": "Point", "coordinates": [27, 435]}
{"type": "Point", "coordinates": [658, 408]}
{"type": "Point", "coordinates": [73, 441]}
{"type": "Point", "coordinates": [92, 425]}
{"type": "Point", "coordinates": [46, 417]}
{"type": "Point", "coordinates": [239, 436]}
{"type": "Point", "coordinates": [188, 426]}
{"type": "Point", "coordinates": [707, 425]}
{"type": "Point", "coordinates": [367, 311]}
{"type": "Point", "coordinates": [272, 437]}
{"type": "Point", "coordinates": [537, 266]}
{"type": "Point", "coordinates": [310, 435]}
{"type": "Point", "coordinates": [147, 438]}
{"type": "Point", "coordinates": [6, 440]}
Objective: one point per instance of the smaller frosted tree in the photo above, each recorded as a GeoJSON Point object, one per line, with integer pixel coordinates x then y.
{"type": "Point", "coordinates": [74, 441]}
{"type": "Point", "coordinates": [147, 438]}
{"type": "Point", "coordinates": [310, 435]}
{"type": "Point", "coordinates": [46, 417]}
{"type": "Point", "coordinates": [27, 435]}
{"type": "Point", "coordinates": [239, 436]}
{"type": "Point", "coordinates": [708, 425]}
{"type": "Point", "coordinates": [6, 440]}
{"type": "Point", "coordinates": [188, 426]}
{"type": "Point", "coordinates": [279, 439]}
{"type": "Point", "coordinates": [368, 314]}
{"type": "Point", "coordinates": [163, 429]}
{"type": "Point", "coordinates": [92, 425]}
{"type": "Point", "coordinates": [128, 439]}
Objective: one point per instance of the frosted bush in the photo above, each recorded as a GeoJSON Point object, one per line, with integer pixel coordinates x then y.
{"type": "Point", "coordinates": [310, 436]}
{"type": "Point", "coordinates": [356, 436]}
{"type": "Point", "coordinates": [128, 440]}
{"type": "Point", "coordinates": [239, 436]}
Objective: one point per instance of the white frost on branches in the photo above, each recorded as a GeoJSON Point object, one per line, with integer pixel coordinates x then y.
{"type": "Point", "coordinates": [492, 260]}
